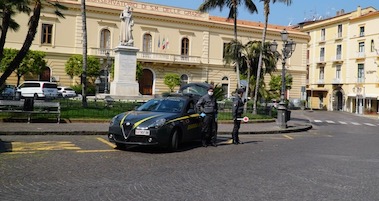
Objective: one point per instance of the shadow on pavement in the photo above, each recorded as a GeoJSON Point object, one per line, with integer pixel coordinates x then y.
{"type": "Point", "coordinates": [5, 146]}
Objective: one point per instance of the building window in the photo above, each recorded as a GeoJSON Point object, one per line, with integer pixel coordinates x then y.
{"type": "Point", "coordinates": [47, 33]}
{"type": "Point", "coordinates": [338, 72]}
{"type": "Point", "coordinates": [339, 31]}
{"type": "Point", "coordinates": [361, 31]}
{"type": "Point", "coordinates": [322, 34]}
{"type": "Point", "coordinates": [225, 86]}
{"type": "Point", "coordinates": [338, 52]}
{"type": "Point", "coordinates": [147, 43]}
{"type": "Point", "coordinates": [361, 72]}
{"type": "Point", "coordinates": [185, 47]}
{"type": "Point", "coordinates": [322, 54]}
{"type": "Point", "coordinates": [105, 40]}
{"type": "Point", "coordinates": [372, 46]}
{"type": "Point", "coordinates": [183, 79]}
{"type": "Point", "coordinates": [321, 75]}
{"type": "Point", "coordinates": [361, 47]}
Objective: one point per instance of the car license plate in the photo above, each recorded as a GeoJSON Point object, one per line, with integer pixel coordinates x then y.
{"type": "Point", "coordinates": [142, 132]}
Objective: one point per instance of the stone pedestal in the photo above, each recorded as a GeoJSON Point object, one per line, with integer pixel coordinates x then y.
{"type": "Point", "coordinates": [124, 82]}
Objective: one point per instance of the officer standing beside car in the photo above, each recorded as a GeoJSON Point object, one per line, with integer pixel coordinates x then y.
{"type": "Point", "coordinates": [207, 106]}
{"type": "Point", "coordinates": [237, 111]}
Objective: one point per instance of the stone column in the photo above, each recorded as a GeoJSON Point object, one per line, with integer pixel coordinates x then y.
{"type": "Point", "coordinates": [124, 82]}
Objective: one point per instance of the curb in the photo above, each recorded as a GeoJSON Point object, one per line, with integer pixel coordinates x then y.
{"type": "Point", "coordinates": [277, 131]}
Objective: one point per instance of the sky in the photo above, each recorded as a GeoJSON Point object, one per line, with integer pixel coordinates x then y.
{"type": "Point", "coordinates": [280, 13]}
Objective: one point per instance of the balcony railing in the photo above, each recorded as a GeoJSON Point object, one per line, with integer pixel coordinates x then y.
{"type": "Point", "coordinates": [153, 57]}
{"type": "Point", "coordinates": [336, 81]}
{"type": "Point", "coordinates": [361, 55]}
{"type": "Point", "coordinates": [339, 36]}
{"type": "Point", "coordinates": [320, 81]}
{"type": "Point", "coordinates": [170, 58]}
{"type": "Point", "coordinates": [336, 58]}
{"type": "Point", "coordinates": [361, 80]}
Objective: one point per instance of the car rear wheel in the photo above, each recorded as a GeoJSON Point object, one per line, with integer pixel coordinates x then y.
{"type": "Point", "coordinates": [174, 141]}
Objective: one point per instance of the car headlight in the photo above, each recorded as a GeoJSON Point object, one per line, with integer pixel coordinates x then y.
{"type": "Point", "coordinates": [113, 120]}
{"type": "Point", "coordinates": [158, 123]}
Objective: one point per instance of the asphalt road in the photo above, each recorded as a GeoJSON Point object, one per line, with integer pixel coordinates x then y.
{"type": "Point", "coordinates": [336, 160]}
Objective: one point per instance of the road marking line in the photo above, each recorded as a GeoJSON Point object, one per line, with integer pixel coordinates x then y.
{"type": "Point", "coordinates": [368, 124]}
{"type": "Point", "coordinates": [289, 137]}
{"type": "Point", "coordinates": [331, 122]}
{"type": "Point", "coordinates": [19, 152]}
{"type": "Point", "coordinates": [95, 151]}
{"type": "Point", "coordinates": [44, 146]}
{"type": "Point", "coordinates": [355, 123]}
{"type": "Point", "coordinates": [106, 142]}
{"type": "Point", "coordinates": [342, 122]}
{"type": "Point", "coordinates": [318, 121]}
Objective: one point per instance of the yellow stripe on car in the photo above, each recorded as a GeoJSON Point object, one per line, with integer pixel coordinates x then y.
{"type": "Point", "coordinates": [143, 120]}
{"type": "Point", "coordinates": [122, 120]}
{"type": "Point", "coordinates": [180, 118]}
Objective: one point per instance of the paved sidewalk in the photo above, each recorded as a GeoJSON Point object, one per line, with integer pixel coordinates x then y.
{"type": "Point", "coordinates": [298, 122]}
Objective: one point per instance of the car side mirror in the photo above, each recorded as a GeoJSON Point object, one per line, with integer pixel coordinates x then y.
{"type": "Point", "coordinates": [191, 111]}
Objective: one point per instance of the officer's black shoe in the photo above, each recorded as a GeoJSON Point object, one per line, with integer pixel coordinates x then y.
{"type": "Point", "coordinates": [204, 144]}
{"type": "Point", "coordinates": [234, 142]}
{"type": "Point", "coordinates": [213, 144]}
{"type": "Point", "coordinates": [239, 142]}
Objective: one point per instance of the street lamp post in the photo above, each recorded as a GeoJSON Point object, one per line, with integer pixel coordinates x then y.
{"type": "Point", "coordinates": [288, 48]}
{"type": "Point", "coordinates": [109, 62]}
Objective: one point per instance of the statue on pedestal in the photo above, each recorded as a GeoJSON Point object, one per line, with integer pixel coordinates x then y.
{"type": "Point", "coordinates": [127, 23]}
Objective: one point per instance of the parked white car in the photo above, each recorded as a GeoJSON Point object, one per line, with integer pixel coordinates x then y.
{"type": "Point", "coordinates": [66, 92]}
{"type": "Point", "coordinates": [38, 89]}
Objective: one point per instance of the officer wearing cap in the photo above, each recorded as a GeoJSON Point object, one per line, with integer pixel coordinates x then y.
{"type": "Point", "coordinates": [207, 106]}
{"type": "Point", "coordinates": [237, 111]}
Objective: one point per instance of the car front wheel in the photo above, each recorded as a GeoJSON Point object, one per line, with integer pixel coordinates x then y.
{"type": "Point", "coordinates": [174, 141]}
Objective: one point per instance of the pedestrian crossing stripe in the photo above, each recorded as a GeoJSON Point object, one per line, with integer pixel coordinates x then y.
{"type": "Point", "coordinates": [331, 122]}
{"type": "Point", "coordinates": [355, 123]}
{"type": "Point", "coordinates": [342, 122]}
{"type": "Point", "coordinates": [318, 121]}
{"type": "Point", "coordinates": [368, 124]}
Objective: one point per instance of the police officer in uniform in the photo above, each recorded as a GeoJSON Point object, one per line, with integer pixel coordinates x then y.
{"type": "Point", "coordinates": [207, 106]}
{"type": "Point", "coordinates": [237, 115]}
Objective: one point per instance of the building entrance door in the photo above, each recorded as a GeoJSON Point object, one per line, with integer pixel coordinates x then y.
{"type": "Point", "coordinates": [146, 82]}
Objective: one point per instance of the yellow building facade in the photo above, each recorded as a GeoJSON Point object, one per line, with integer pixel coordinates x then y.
{"type": "Point", "coordinates": [342, 61]}
{"type": "Point", "coordinates": [169, 39]}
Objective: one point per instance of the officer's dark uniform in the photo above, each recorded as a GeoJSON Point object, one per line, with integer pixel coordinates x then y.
{"type": "Point", "coordinates": [208, 105]}
{"type": "Point", "coordinates": [237, 115]}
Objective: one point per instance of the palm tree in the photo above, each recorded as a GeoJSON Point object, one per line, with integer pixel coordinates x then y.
{"type": "Point", "coordinates": [267, 12]}
{"type": "Point", "coordinates": [84, 75]}
{"type": "Point", "coordinates": [33, 24]}
{"type": "Point", "coordinates": [249, 55]}
{"type": "Point", "coordinates": [233, 12]}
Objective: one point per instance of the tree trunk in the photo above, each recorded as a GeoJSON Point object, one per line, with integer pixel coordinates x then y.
{"type": "Point", "coordinates": [33, 24]}
{"type": "Point", "coordinates": [267, 11]}
{"type": "Point", "coordinates": [4, 30]}
{"type": "Point", "coordinates": [84, 74]}
{"type": "Point", "coordinates": [235, 38]}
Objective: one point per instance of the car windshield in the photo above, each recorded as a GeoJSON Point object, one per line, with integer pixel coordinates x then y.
{"type": "Point", "coordinates": [163, 105]}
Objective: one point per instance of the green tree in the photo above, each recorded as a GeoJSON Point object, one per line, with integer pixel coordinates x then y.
{"type": "Point", "coordinates": [139, 71]}
{"type": "Point", "coordinates": [249, 57]}
{"type": "Point", "coordinates": [74, 67]}
{"type": "Point", "coordinates": [172, 80]}
{"type": "Point", "coordinates": [208, 5]}
{"type": "Point", "coordinates": [33, 63]}
{"type": "Point", "coordinates": [8, 8]}
{"type": "Point", "coordinates": [267, 13]}
{"type": "Point", "coordinates": [276, 85]}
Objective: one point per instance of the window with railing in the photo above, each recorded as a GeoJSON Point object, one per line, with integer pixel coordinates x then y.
{"type": "Point", "coordinates": [185, 47]}
{"type": "Point", "coordinates": [338, 52]}
{"type": "Point", "coordinates": [322, 34]}
{"type": "Point", "coordinates": [147, 43]}
{"type": "Point", "coordinates": [322, 54]}
{"type": "Point", "coordinates": [105, 39]}
{"type": "Point", "coordinates": [338, 72]}
{"type": "Point", "coordinates": [47, 34]}
{"type": "Point", "coordinates": [361, 73]}
{"type": "Point", "coordinates": [372, 46]}
{"type": "Point", "coordinates": [321, 74]}
{"type": "Point", "coordinates": [339, 31]}
{"type": "Point", "coordinates": [361, 31]}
